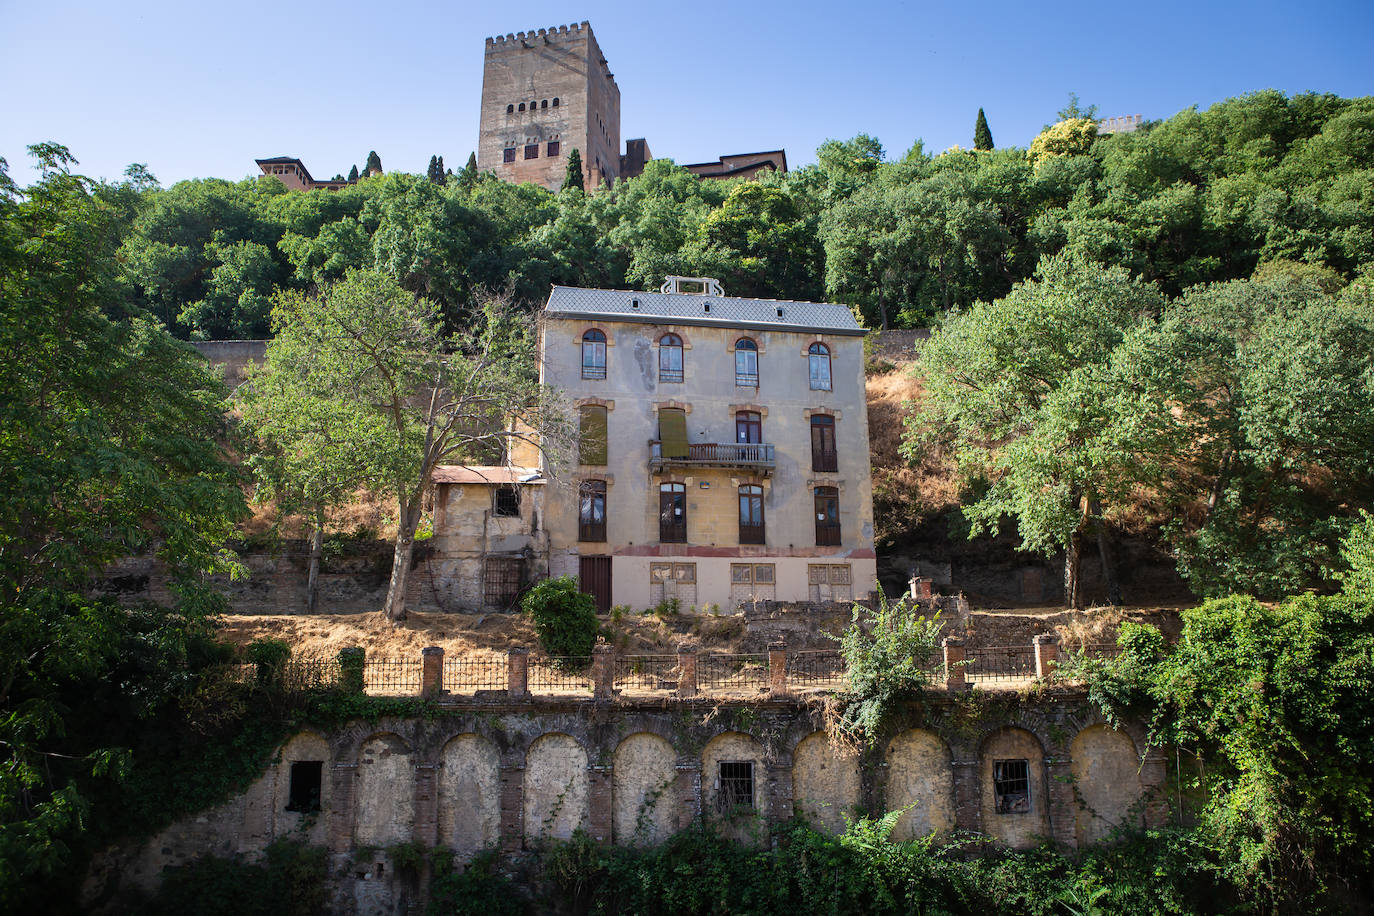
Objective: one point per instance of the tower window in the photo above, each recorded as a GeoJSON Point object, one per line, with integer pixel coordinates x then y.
{"type": "Point", "coordinates": [510, 108]}
{"type": "Point", "coordinates": [544, 104]}
{"type": "Point", "coordinates": [306, 778]}
{"type": "Point", "coordinates": [531, 150]}
{"type": "Point", "coordinates": [508, 155]}
{"type": "Point", "coordinates": [553, 148]}
{"type": "Point", "coordinates": [555, 103]}
{"type": "Point", "coordinates": [522, 106]}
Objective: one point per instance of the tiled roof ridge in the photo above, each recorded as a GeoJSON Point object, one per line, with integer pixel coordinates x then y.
{"type": "Point", "coordinates": [655, 292]}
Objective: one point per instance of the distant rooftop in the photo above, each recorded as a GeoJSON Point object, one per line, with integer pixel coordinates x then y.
{"type": "Point", "coordinates": [705, 309]}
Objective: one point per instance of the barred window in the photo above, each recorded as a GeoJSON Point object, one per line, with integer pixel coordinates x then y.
{"type": "Point", "coordinates": [501, 580]}
{"type": "Point", "coordinates": [507, 501]}
{"type": "Point", "coordinates": [1011, 784]}
{"type": "Point", "coordinates": [735, 785]}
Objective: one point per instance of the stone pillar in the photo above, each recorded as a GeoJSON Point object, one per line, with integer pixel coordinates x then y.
{"type": "Point", "coordinates": [599, 800]}
{"type": "Point", "coordinates": [426, 804]}
{"type": "Point", "coordinates": [954, 655]}
{"type": "Point", "coordinates": [687, 671]}
{"type": "Point", "coordinates": [1062, 806]}
{"type": "Point", "coordinates": [341, 807]}
{"type": "Point", "coordinates": [512, 807]}
{"type": "Point", "coordinates": [431, 672]}
{"type": "Point", "coordinates": [779, 792]}
{"type": "Point", "coordinates": [777, 669]}
{"type": "Point", "coordinates": [518, 672]}
{"type": "Point", "coordinates": [922, 589]}
{"type": "Point", "coordinates": [968, 810]}
{"type": "Point", "coordinates": [688, 789]}
{"type": "Point", "coordinates": [603, 671]}
{"type": "Point", "coordinates": [1154, 784]}
{"type": "Point", "coordinates": [1046, 655]}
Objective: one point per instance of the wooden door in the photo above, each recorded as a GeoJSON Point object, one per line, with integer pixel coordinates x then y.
{"type": "Point", "coordinates": [594, 578]}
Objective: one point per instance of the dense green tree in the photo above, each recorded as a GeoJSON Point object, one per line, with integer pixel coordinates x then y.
{"type": "Point", "coordinates": [353, 174]}
{"type": "Point", "coordinates": [758, 243]}
{"type": "Point", "coordinates": [434, 173]}
{"type": "Point", "coordinates": [376, 357]}
{"type": "Point", "coordinates": [982, 136]}
{"type": "Point", "coordinates": [373, 165]}
{"type": "Point", "coordinates": [572, 175]}
{"type": "Point", "coordinates": [110, 437]}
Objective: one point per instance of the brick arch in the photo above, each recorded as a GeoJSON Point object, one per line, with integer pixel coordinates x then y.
{"type": "Point", "coordinates": [644, 807]}
{"type": "Point", "coordinates": [919, 771]}
{"type": "Point", "coordinates": [826, 784]}
{"type": "Point", "coordinates": [556, 786]}
{"type": "Point", "coordinates": [468, 793]}
{"type": "Point", "coordinates": [662, 330]}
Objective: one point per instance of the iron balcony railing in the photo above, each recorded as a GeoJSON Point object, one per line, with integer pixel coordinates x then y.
{"type": "Point", "coordinates": [757, 455]}
{"type": "Point", "coordinates": [746, 379]}
{"type": "Point", "coordinates": [824, 460]}
{"type": "Point", "coordinates": [827, 535]}
{"type": "Point", "coordinates": [751, 534]}
{"type": "Point", "coordinates": [591, 531]}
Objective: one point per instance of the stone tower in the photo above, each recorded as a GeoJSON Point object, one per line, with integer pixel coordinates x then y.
{"type": "Point", "coordinates": [544, 94]}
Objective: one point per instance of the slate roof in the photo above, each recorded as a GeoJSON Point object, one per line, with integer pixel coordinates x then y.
{"type": "Point", "coordinates": [691, 309]}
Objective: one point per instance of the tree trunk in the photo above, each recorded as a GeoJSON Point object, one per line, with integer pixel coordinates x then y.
{"type": "Point", "coordinates": [395, 607]}
{"type": "Point", "coordinates": [1106, 551]}
{"type": "Point", "coordinates": [316, 549]}
{"type": "Point", "coordinates": [1073, 568]}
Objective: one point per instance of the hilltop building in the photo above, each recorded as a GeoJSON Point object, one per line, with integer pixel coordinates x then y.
{"type": "Point", "coordinates": [1125, 124]}
{"type": "Point", "coordinates": [293, 173]}
{"type": "Point", "coordinates": [747, 165]}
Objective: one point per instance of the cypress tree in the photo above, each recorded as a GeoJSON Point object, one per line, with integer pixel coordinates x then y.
{"type": "Point", "coordinates": [429, 172]}
{"type": "Point", "coordinates": [982, 137]}
{"type": "Point", "coordinates": [468, 176]}
{"type": "Point", "coordinates": [374, 162]}
{"type": "Point", "coordinates": [572, 178]}
{"type": "Point", "coordinates": [353, 174]}
{"type": "Point", "coordinates": [440, 170]}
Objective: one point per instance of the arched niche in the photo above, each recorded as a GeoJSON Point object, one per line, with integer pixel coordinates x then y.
{"type": "Point", "coordinates": [384, 804]}
{"type": "Point", "coordinates": [303, 789]}
{"type": "Point", "coordinates": [469, 795]}
{"type": "Point", "coordinates": [1106, 780]}
{"type": "Point", "coordinates": [734, 784]}
{"type": "Point", "coordinates": [1015, 798]}
{"type": "Point", "coordinates": [555, 787]}
{"type": "Point", "coordinates": [920, 777]}
{"type": "Point", "coordinates": [825, 784]}
{"type": "Point", "coordinates": [643, 800]}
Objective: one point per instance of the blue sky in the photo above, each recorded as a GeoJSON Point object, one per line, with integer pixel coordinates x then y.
{"type": "Point", "coordinates": [199, 89]}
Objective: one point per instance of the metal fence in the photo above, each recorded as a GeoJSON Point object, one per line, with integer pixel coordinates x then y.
{"type": "Point", "coordinates": [639, 673]}
{"type": "Point", "coordinates": [560, 674]}
{"type": "Point", "coordinates": [732, 673]}
{"type": "Point", "coordinates": [470, 673]}
{"type": "Point", "coordinates": [391, 676]}
{"type": "Point", "coordinates": [1000, 665]}
{"type": "Point", "coordinates": [817, 668]}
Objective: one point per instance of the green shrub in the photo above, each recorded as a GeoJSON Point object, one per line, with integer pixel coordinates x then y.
{"type": "Point", "coordinates": [290, 882]}
{"type": "Point", "coordinates": [478, 890]}
{"type": "Point", "coordinates": [564, 618]}
{"type": "Point", "coordinates": [270, 655]}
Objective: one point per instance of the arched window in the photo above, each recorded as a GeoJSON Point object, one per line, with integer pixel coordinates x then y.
{"type": "Point", "coordinates": [746, 363]}
{"type": "Point", "coordinates": [510, 108]}
{"type": "Point", "coordinates": [591, 513]}
{"type": "Point", "coordinates": [751, 515]}
{"type": "Point", "coordinates": [544, 103]}
{"type": "Point", "coordinates": [823, 455]}
{"type": "Point", "coordinates": [555, 103]}
{"type": "Point", "coordinates": [593, 354]}
{"type": "Point", "coordinates": [522, 106]}
{"type": "Point", "coordinates": [827, 517]}
{"type": "Point", "coordinates": [818, 357]}
{"type": "Point", "coordinates": [672, 513]}
{"type": "Point", "coordinates": [670, 358]}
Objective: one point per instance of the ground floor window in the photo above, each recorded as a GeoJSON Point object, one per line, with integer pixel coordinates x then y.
{"type": "Point", "coordinates": [307, 778]}
{"type": "Point", "coordinates": [1011, 784]}
{"type": "Point", "coordinates": [752, 582]}
{"type": "Point", "coordinates": [668, 581]}
{"type": "Point", "coordinates": [735, 785]}
{"type": "Point", "coordinates": [501, 578]}
{"type": "Point", "coordinates": [829, 582]}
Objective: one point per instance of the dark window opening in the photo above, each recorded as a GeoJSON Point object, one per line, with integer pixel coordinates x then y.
{"type": "Point", "coordinates": [672, 513]}
{"type": "Point", "coordinates": [823, 454]}
{"type": "Point", "coordinates": [591, 516]}
{"type": "Point", "coordinates": [751, 515]}
{"type": "Point", "coordinates": [531, 150]}
{"type": "Point", "coordinates": [501, 580]}
{"type": "Point", "coordinates": [508, 501]}
{"type": "Point", "coordinates": [593, 354]}
{"type": "Point", "coordinates": [307, 776]}
{"type": "Point", "coordinates": [555, 103]}
{"type": "Point", "coordinates": [510, 109]}
{"type": "Point", "coordinates": [508, 155]}
{"type": "Point", "coordinates": [736, 787]}
{"type": "Point", "coordinates": [522, 106]}
{"type": "Point", "coordinates": [1011, 783]}
{"type": "Point", "coordinates": [827, 517]}
{"type": "Point", "coordinates": [544, 103]}
{"type": "Point", "coordinates": [554, 148]}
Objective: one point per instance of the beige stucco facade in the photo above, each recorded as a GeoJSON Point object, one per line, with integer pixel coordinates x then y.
{"type": "Point", "coordinates": [712, 567]}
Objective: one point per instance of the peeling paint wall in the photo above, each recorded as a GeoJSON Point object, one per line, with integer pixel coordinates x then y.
{"type": "Point", "coordinates": [385, 793]}
{"type": "Point", "coordinates": [643, 776]}
{"type": "Point", "coordinates": [1106, 781]}
{"type": "Point", "coordinates": [919, 773]}
{"type": "Point", "coordinates": [555, 787]}
{"type": "Point", "coordinates": [469, 795]}
{"type": "Point", "coordinates": [1024, 829]}
{"type": "Point", "coordinates": [826, 784]}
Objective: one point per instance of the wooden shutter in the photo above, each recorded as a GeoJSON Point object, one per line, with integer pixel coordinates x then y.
{"type": "Point", "coordinates": [672, 431]}
{"type": "Point", "coordinates": [592, 447]}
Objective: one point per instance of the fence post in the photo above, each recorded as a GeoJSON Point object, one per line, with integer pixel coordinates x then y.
{"type": "Point", "coordinates": [1046, 655]}
{"type": "Point", "coordinates": [687, 671]}
{"type": "Point", "coordinates": [922, 589]}
{"type": "Point", "coordinates": [954, 669]}
{"type": "Point", "coordinates": [603, 670]}
{"type": "Point", "coordinates": [352, 660]}
{"type": "Point", "coordinates": [431, 671]}
{"type": "Point", "coordinates": [777, 669]}
{"type": "Point", "coordinates": [518, 671]}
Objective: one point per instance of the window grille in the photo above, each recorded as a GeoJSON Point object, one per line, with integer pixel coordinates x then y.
{"type": "Point", "coordinates": [531, 150]}
{"type": "Point", "coordinates": [1011, 783]}
{"type": "Point", "coordinates": [554, 147]}
{"type": "Point", "coordinates": [501, 580]}
{"type": "Point", "coordinates": [507, 501]}
{"type": "Point", "coordinates": [508, 155]}
{"type": "Point", "coordinates": [735, 787]}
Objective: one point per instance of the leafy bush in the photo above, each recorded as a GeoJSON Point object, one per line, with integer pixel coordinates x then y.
{"type": "Point", "coordinates": [564, 618]}
{"type": "Point", "coordinates": [270, 655]}
{"type": "Point", "coordinates": [290, 882]}
{"type": "Point", "coordinates": [478, 890]}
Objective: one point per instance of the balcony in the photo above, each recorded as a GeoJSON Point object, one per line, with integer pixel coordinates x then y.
{"type": "Point", "coordinates": [757, 456]}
